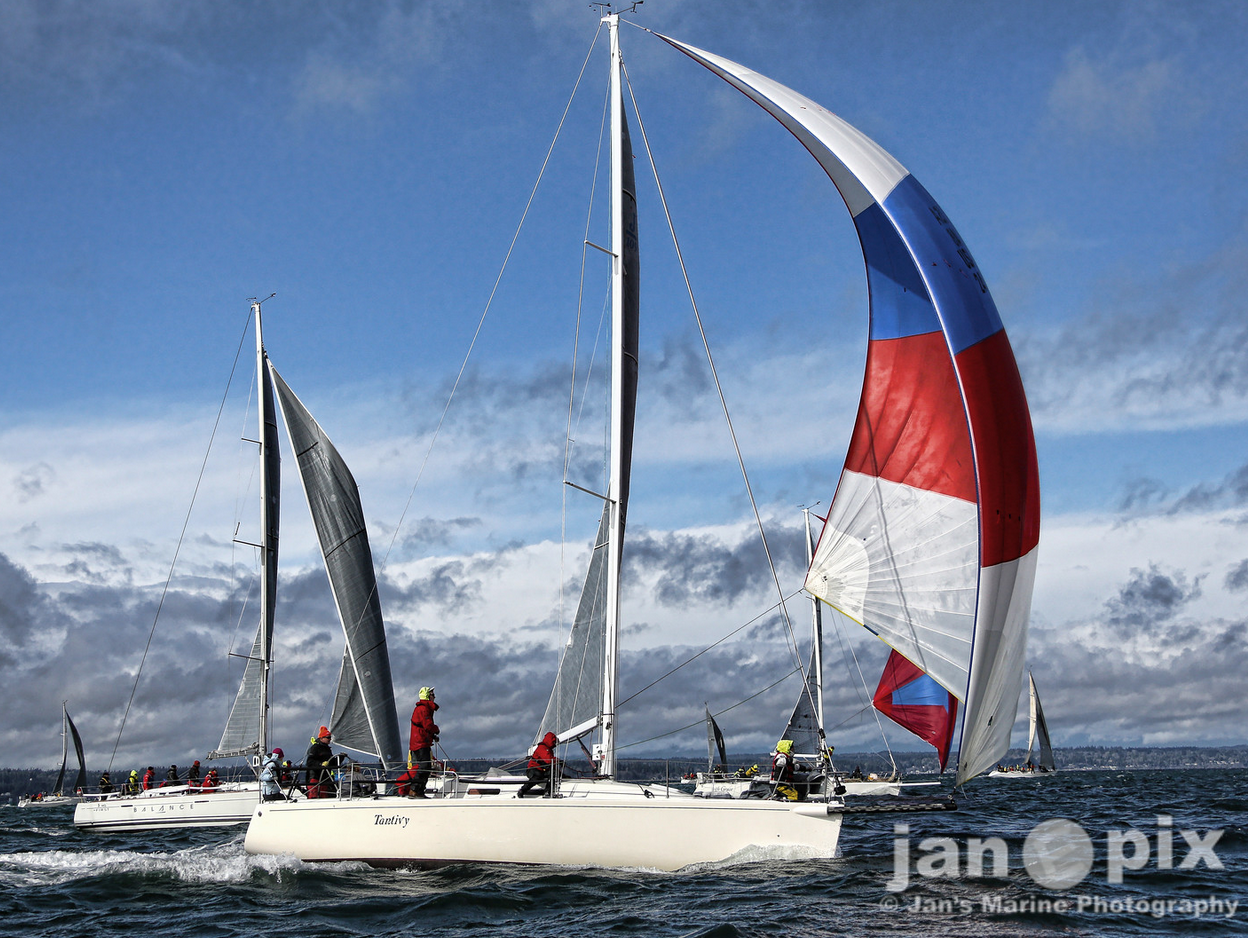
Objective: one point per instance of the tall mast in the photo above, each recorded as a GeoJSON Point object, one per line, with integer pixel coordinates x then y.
{"type": "Point", "coordinates": [269, 464]}
{"type": "Point", "coordinates": [612, 638]}
{"type": "Point", "coordinates": [816, 633]}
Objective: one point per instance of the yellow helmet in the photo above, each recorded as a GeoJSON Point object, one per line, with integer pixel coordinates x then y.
{"type": "Point", "coordinates": [426, 693]}
{"type": "Point", "coordinates": [785, 745]}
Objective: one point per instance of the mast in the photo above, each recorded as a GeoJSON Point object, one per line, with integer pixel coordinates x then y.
{"type": "Point", "coordinates": [816, 632]}
{"type": "Point", "coordinates": [269, 462]}
{"type": "Point", "coordinates": [60, 778]}
{"type": "Point", "coordinates": [610, 684]}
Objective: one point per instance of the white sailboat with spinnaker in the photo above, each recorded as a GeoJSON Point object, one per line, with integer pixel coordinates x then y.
{"type": "Point", "coordinates": [900, 552]}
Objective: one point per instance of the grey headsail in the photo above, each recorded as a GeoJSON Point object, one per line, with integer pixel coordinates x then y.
{"type": "Point", "coordinates": [244, 731]}
{"type": "Point", "coordinates": [803, 727]}
{"type": "Point", "coordinates": [68, 728]}
{"type": "Point", "coordinates": [1039, 730]}
{"type": "Point", "coordinates": [714, 744]}
{"type": "Point", "coordinates": [365, 718]}
{"type": "Point", "coordinates": [80, 781]}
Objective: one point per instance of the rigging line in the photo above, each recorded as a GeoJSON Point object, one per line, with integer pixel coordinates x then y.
{"type": "Point", "coordinates": [490, 299]}
{"type": "Point", "coordinates": [739, 628]}
{"type": "Point", "coordinates": [185, 523]}
{"type": "Point", "coordinates": [702, 721]}
{"type": "Point", "coordinates": [797, 657]}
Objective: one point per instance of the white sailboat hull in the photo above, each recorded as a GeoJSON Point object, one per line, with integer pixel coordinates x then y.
{"type": "Point", "coordinates": [49, 801]}
{"type": "Point", "coordinates": [711, 787]}
{"type": "Point", "coordinates": [640, 833]}
{"type": "Point", "coordinates": [161, 808]}
{"type": "Point", "coordinates": [1021, 773]}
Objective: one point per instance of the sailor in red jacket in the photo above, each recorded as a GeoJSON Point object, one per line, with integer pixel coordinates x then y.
{"type": "Point", "coordinates": [541, 765]}
{"type": "Point", "coordinates": [420, 746]}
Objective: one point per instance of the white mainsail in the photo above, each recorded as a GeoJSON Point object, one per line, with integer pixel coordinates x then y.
{"type": "Point", "coordinates": [1038, 729]}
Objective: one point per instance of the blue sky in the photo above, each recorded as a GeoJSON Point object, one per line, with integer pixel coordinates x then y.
{"type": "Point", "coordinates": [369, 164]}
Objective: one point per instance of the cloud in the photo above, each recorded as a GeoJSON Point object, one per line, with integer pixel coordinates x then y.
{"type": "Point", "coordinates": [1149, 601]}
{"type": "Point", "coordinates": [32, 481]}
{"type": "Point", "coordinates": [1140, 359]}
{"type": "Point", "coordinates": [688, 569]}
{"type": "Point", "coordinates": [87, 52]}
{"type": "Point", "coordinates": [1107, 98]}
{"type": "Point", "coordinates": [377, 52]}
{"type": "Point", "coordinates": [1237, 577]}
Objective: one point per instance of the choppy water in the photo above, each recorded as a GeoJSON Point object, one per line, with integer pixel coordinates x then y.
{"type": "Point", "coordinates": [55, 881]}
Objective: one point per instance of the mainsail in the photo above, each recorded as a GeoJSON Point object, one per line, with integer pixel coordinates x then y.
{"type": "Point", "coordinates": [69, 730]}
{"type": "Point", "coordinates": [1039, 729]}
{"type": "Point", "coordinates": [245, 730]}
{"type": "Point", "coordinates": [714, 744]}
{"type": "Point", "coordinates": [364, 716]}
{"type": "Point", "coordinates": [585, 687]}
{"type": "Point", "coordinates": [931, 538]}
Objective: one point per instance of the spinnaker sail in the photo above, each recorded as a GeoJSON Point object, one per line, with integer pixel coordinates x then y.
{"type": "Point", "coordinates": [915, 702]}
{"type": "Point", "coordinates": [932, 536]}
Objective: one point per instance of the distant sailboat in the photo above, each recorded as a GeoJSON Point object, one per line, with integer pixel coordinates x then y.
{"type": "Point", "coordinates": [1037, 731]}
{"type": "Point", "coordinates": [58, 796]}
{"type": "Point", "coordinates": [937, 551]}
{"type": "Point", "coordinates": [364, 678]}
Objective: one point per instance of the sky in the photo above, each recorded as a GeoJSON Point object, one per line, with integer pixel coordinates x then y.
{"type": "Point", "coordinates": [370, 164]}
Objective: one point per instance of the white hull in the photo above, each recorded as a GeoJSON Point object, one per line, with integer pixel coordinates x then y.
{"type": "Point", "coordinates": [51, 801]}
{"type": "Point", "coordinates": [1021, 774]}
{"type": "Point", "coordinates": [709, 787]}
{"type": "Point", "coordinates": [158, 808]}
{"type": "Point", "coordinates": [637, 832]}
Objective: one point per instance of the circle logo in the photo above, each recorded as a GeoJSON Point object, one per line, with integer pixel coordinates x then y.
{"type": "Point", "coordinates": [1058, 853]}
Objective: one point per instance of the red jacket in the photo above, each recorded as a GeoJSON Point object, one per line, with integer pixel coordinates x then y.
{"type": "Point", "coordinates": [544, 754]}
{"type": "Point", "coordinates": [423, 727]}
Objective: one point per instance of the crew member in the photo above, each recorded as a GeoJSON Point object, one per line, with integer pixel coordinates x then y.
{"type": "Point", "coordinates": [270, 776]}
{"type": "Point", "coordinates": [320, 773]}
{"type": "Point", "coordinates": [420, 745]}
{"type": "Point", "coordinates": [541, 766]}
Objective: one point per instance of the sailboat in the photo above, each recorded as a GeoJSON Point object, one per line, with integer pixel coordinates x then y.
{"type": "Point", "coordinates": [58, 796]}
{"type": "Point", "coordinates": [1038, 731]}
{"type": "Point", "coordinates": [365, 674]}
{"type": "Point", "coordinates": [919, 273]}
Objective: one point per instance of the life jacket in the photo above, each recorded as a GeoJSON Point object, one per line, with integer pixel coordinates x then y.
{"type": "Point", "coordinates": [782, 767]}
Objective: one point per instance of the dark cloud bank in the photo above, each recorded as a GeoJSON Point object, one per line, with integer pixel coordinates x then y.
{"type": "Point", "coordinates": [1173, 679]}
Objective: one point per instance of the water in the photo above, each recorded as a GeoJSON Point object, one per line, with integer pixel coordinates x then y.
{"type": "Point", "coordinates": [56, 881]}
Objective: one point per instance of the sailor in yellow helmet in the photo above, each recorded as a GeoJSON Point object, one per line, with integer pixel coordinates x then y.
{"type": "Point", "coordinates": [783, 766]}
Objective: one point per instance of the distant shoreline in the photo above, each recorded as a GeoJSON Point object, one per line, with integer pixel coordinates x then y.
{"type": "Point", "coordinates": [18, 781]}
